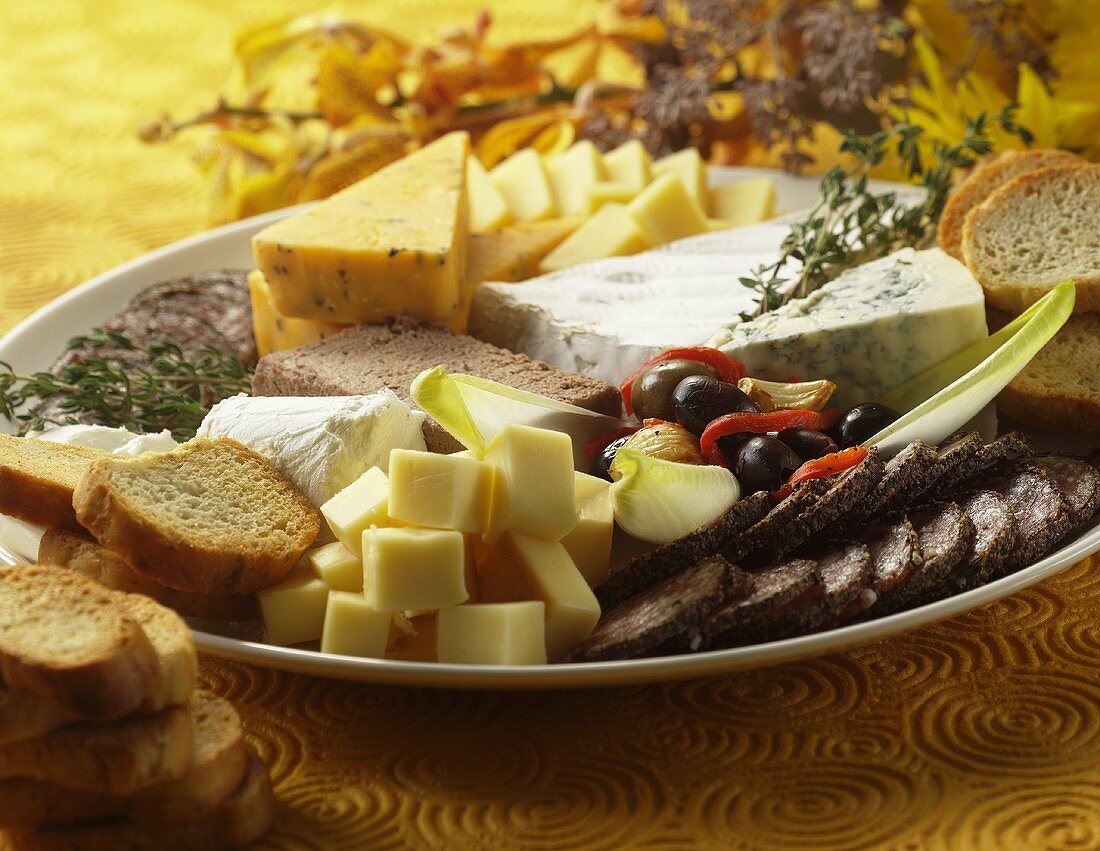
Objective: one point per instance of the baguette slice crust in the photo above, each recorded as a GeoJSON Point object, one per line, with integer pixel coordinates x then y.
{"type": "Point", "coordinates": [82, 554]}
{"type": "Point", "coordinates": [239, 820]}
{"type": "Point", "coordinates": [37, 479]}
{"type": "Point", "coordinates": [217, 771]}
{"type": "Point", "coordinates": [1037, 230]}
{"type": "Point", "coordinates": [982, 182]}
{"type": "Point", "coordinates": [65, 639]}
{"type": "Point", "coordinates": [177, 665]}
{"type": "Point", "coordinates": [212, 517]}
{"type": "Point", "coordinates": [119, 758]}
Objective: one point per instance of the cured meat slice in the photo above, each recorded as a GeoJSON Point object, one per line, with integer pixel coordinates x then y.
{"type": "Point", "coordinates": [944, 534]}
{"type": "Point", "coordinates": [1041, 513]}
{"type": "Point", "coordinates": [780, 600]}
{"type": "Point", "coordinates": [1007, 447]}
{"type": "Point", "coordinates": [1078, 481]}
{"type": "Point", "coordinates": [644, 571]}
{"type": "Point", "coordinates": [895, 554]}
{"type": "Point", "coordinates": [775, 524]}
{"type": "Point", "coordinates": [845, 572]}
{"type": "Point", "coordinates": [993, 542]}
{"type": "Point", "coordinates": [906, 472]}
{"type": "Point", "coordinates": [960, 451]}
{"type": "Point", "coordinates": [663, 616]}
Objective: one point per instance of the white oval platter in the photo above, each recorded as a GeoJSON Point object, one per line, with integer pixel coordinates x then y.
{"type": "Point", "coordinates": [36, 342]}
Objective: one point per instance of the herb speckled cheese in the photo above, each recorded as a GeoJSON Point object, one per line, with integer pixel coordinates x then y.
{"type": "Point", "coordinates": [391, 244]}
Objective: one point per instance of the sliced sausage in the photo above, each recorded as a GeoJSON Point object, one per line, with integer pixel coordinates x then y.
{"type": "Point", "coordinates": [1041, 513]}
{"type": "Point", "coordinates": [960, 451]}
{"type": "Point", "coordinates": [994, 541]}
{"type": "Point", "coordinates": [1078, 481]}
{"type": "Point", "coordinates": [1007, 447]}
{"type": "Point", "coordinates": [907, 472]}
{"type": "Point", "coordinates": [944, 534]}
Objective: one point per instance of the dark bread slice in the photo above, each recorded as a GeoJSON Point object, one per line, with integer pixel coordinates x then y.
{"type": "Point", "coordinates": [1079, 482]}
{"type": "Point", "coordinates": [644, 571]}
{"type": "Point", "coordinates": [239, 820]}
{"type": "Point", "coordinates": [367, 358]}
{"type": "Point", "coordinates": [945, 534]}
{"type": "Point", "coordinates": [664, 615]}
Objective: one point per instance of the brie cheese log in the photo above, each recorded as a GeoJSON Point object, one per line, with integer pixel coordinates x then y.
{"type": "Point", "coordinates": [321, 443]}
{"type": "Point", "coordinates": [871, 329]}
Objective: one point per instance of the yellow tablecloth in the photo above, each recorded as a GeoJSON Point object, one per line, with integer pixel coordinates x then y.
{"type": "Point", "coordinates": [981, 732]}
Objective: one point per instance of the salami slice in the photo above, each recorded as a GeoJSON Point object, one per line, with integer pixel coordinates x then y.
{"type": "Point", "coordinates": [944, 534]}
{"type": "Point", "coordinates": [1078, 481]}
{"type": "Point", "coordinates": [1041, 513]}
{"type": "Point", "coordinates": [908, 471]}
{"type": "Point", "coordinates": [895, 554]}
{"type": "Point", "coordinates": [1007, 447]}
{"type": "Point", "coordinates": [994, 541]}
{"type": "Point", "coordinates": [961, 451]}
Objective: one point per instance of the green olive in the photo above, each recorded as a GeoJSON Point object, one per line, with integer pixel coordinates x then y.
{"type": "Point", "coordinates": [653, 389]}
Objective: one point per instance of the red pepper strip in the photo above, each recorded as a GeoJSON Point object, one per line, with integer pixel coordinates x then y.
{"type": "Point", "coordinates": [729, 370]}
{"type": "Point", "coordinates": [826, 465]}
{"type": "Point", "coordinates": [761, 424]}
{"type": "Point", "coordinates": [595, 447]}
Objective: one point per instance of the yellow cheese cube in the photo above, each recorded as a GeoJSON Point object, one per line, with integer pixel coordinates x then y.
{"type": "Point", "coordinates": [413, 569]}
{"type": "Point", "coordinates": [353, 628]}
{"type": "Point", "coordinates": [417, 644]}
{"type": "Point", "coordinates": [690, 168]}
{"type": "Point", "coordinates": [571, 174]}
{"type": "Point", "coordinates": [630, 163]}
{"type": "Point", "coordinates": [360, 505]}
{"type": "Point", "coordinates": [522, 181]}
{"type": "Point", "coordinates": [393, 243]}
{"type": "Point", "coordinates": [514, 253]}
{"type": "Point", "coordinates": [521, 568]}
{"type": "Point", "coordinates": [589, 544]}
{"type": "Point", "coordinates": [666, 211]}
{"type": "Point", "coordinates": [488, 209]}
{"type": "Point", "coordinates": [534, 490]}
{"type": "Point", "coordinates": [745, 202]}
{"type": "Point", "coordinates": [492, 634]}
{"type": "Point", "coordinates": [339, 567]}
{"type": "Point", "coordinates": [611, 232]}
{"type": "Point", "coordinates": [294, 610]}
{"type": "Point", "coordinates": [275, 332]}
{"type": "Point", "coordinates": [609, 192]}
{"type": "Point", "coordinates": [440, 491]}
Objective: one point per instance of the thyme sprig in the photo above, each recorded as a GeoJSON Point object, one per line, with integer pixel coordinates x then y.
{"type": "Point", "coordinates": [168, 391]}
{"type": "Point", "coordinates": [850, 224]}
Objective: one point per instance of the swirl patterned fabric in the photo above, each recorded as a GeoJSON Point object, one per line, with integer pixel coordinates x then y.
{"type": "Point", "coordinates": [982, 732]}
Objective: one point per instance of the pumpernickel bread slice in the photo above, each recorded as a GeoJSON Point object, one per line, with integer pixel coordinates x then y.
{"type": "Point", "coordinates": [367, 358]}
{"type": "Point", "coordinates": [212, 517]}
{"type": "Point", "coordinates": [38, 477]}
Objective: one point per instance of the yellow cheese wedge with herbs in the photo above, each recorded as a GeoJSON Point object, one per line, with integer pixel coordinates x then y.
{"type": "Point", "coordinates": [390, 244]}
{"type": "Point", "coordinates": [275, 332]}
{"type": "Point", "coordinates": [746, 202]}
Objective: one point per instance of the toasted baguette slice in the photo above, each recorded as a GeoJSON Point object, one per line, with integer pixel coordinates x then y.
{"type": "Point", "coordinates": [119, 758]}
{"type": "Point", "coordinates": [1060, 387]}
{"type": "Point", "coordinates": [212, 517]}
{"type": "Point", "coordinates": [1039, 229]}
{"type": "Point", "coordinates": [218, 769]}
{"type": "Point", "coordinates": [66, 639]}
{"type": "Point", "coordinates": [38, 477]}
{"type": "Point", "coordinates": [82, 554]}
{"type": "Point", "coordinates": [982, 182]}
{"type": "Point", "coordinates": [239, 820]}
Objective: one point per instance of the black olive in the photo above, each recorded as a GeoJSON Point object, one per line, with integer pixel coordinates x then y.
{"type": "Point", "coordinates": [601, 464]}
{"type": "Point", "coordinates": [698, 401]}
{"type": "Point", "coordinates": [732, 442]}
{"type": "Point", "coordinates": [764, 464]}
{"type": "Point", "coordinates": [863, 421]}
{"type": "Point", "coordinates": [807, 443]}
{"type": "Point", "coordinates": [652, 391]}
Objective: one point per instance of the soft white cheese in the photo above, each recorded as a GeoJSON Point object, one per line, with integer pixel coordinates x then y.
{"type": "Point", "coordinates": [321, 443]}
{"type": "Point", "coordinates": [119, 441]}
{"type": "Point", "coordinates": [869, 330]}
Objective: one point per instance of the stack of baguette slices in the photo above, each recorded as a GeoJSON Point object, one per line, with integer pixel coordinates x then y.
{"type": "Point", "coordinates": [1024, 222]}
{"type": "Point", "coordinates": [104, 741]}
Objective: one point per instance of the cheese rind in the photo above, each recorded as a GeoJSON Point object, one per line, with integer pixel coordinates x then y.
{"type": "Point", "coordinates": [522, 181]}
{"type": "Point", "coordinates": [488, 208]}
{"type": "Point", "coordinates": [440, 491]}
{"type": "Point", "coordinates": [394, 243]}
{"type": "Point", "coordinates": [492, 634]}
{"type": "Point", "coordinates": [275, 332]}
{"type": "Point", "coordinates": [339, 567]}
{"type": "Point", "coordinates": [353, 628]}
{"type": "Point", "coordinates": [533, 492]}
{"type": "Point", "coordinates": [413, 569]}
{"type": "Point", "coordinates": [294, 610]}
{"type": "Point", "coordinates": [611, 231]}
{"type": "Point", "coordinates": [589, 544]}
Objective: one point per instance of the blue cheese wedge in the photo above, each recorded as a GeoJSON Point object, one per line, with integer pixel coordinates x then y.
{"type": "Point", "coordinates": [869, 330]}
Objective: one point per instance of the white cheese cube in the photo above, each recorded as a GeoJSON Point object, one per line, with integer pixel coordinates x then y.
{"type": "Point", "coordinates": [440, 491]}
{"type": "Point", "coordinates": [492, 634]}
{"type": "Point", "coordinates": [521, 568]}
{"type": "Point", "coordinates": [413, 569]}
{"type": "Point", "coordinates": [745, 202]}
{"type": "Point", "coordinates": [360, 505]}
{"type": "Point", "coordinates": [689, 167]}
{"type": "Point", "coordinates": [522, 181]}
{"type": "Point", "coordinates": [630, 164]}
{"type": "Point", "coordinates": [666, 211]}
{"type": "Point", "coordinates": [571, 174]}
{"type": "Point", "coordinates": [294, 610]}
{"type": "Point", "coordinates": [589, 544]}
{"type": "Point", "coordinates": [534, 490]}
{"type": "Point", "coordinates": [488, 208]}
{"type": "Point", "coordinates": [611, 231]}
{"type": "Point", "coordinates": [339, 567]}
{"type": "Point", "coordinates": [353, 628]}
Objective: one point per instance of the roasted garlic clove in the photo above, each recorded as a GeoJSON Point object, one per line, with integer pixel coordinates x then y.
{"type": "Point", "coordinates": [667, 441]}
{"type": "Point", "coordinates": [773, 395]}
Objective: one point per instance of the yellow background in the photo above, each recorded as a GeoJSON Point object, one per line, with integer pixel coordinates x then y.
{"type": "Point", "coordinates": [981, 732]}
